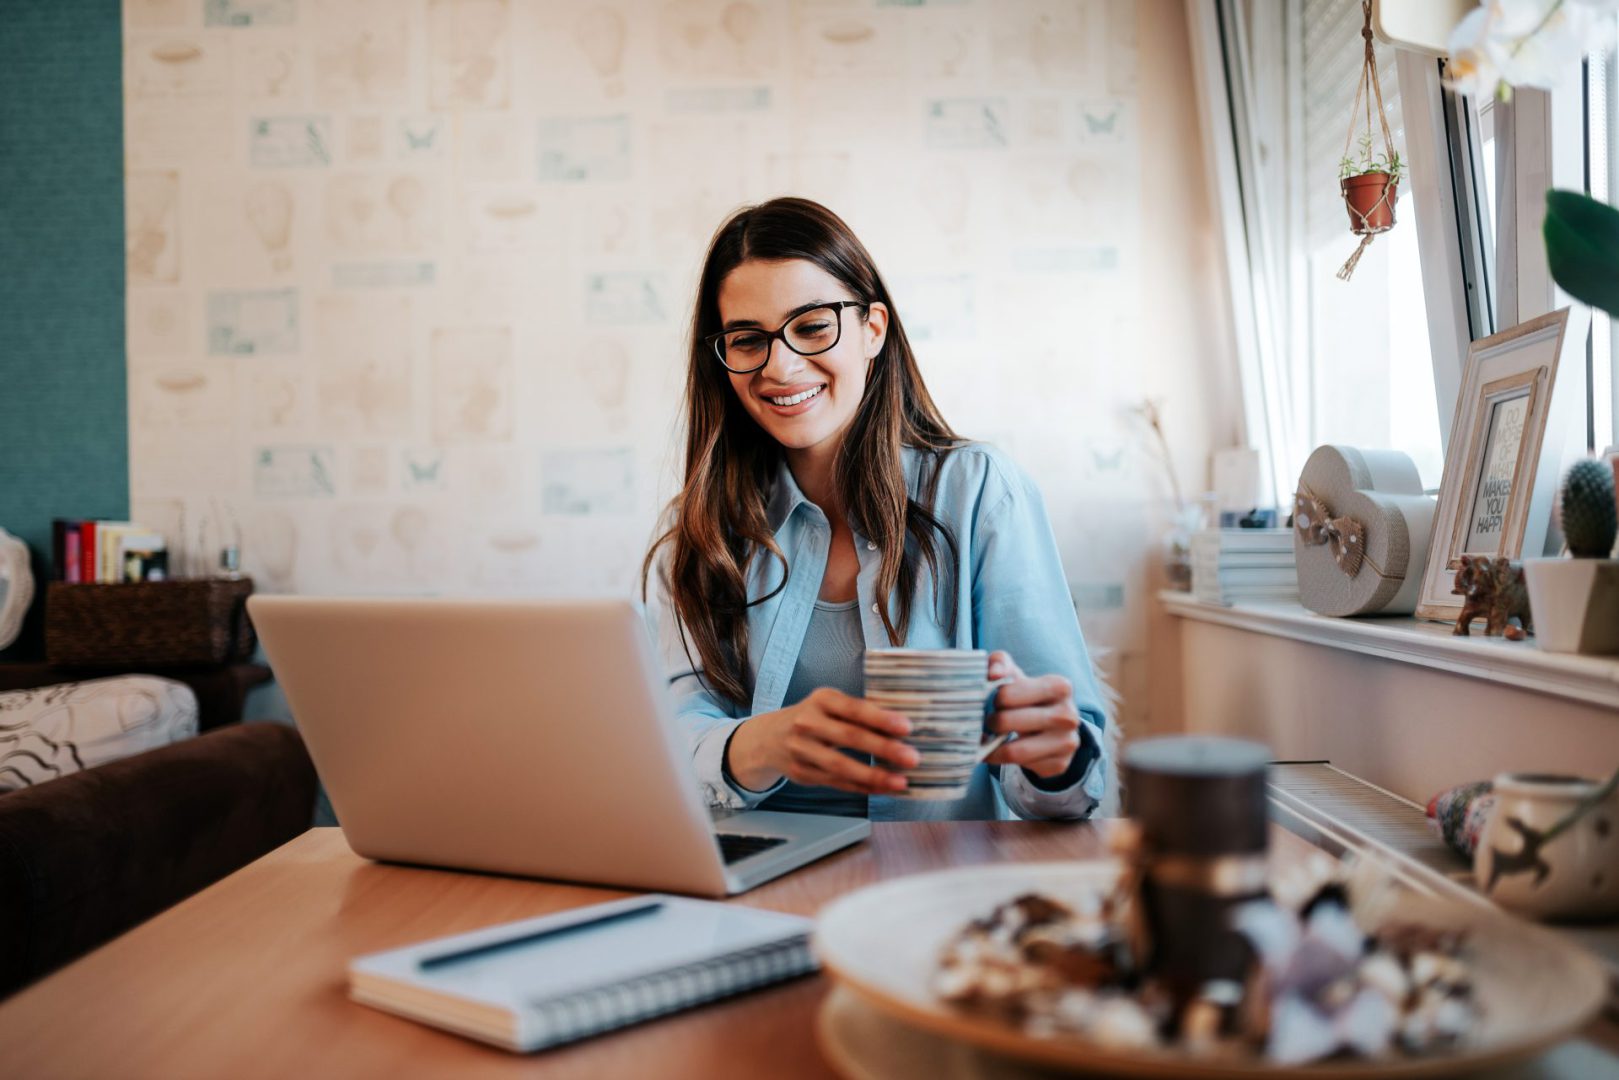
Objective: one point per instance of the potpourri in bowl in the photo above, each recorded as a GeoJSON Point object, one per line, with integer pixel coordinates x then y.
{"type": "Point", "coordinates": [1319, 984]}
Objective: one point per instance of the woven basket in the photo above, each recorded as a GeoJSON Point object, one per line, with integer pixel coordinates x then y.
{"type": "Point", "coordinates": [153, 623]}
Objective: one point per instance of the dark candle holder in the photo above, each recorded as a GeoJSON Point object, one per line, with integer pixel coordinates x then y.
{"type": "Point", "coordinates": [1201, 838]}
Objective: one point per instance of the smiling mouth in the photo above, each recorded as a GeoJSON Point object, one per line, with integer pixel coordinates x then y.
{"type": "Point", "coordinates": [794, 399]}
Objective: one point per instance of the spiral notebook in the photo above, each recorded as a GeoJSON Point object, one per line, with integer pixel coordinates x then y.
{"type": "Point", "coordinates": [541, 982]}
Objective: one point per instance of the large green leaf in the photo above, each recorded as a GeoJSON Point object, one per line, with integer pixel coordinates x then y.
{"type": "Point", "coordinates": [1582, 248]}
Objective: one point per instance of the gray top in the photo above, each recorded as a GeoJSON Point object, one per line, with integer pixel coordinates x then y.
{"type": "Point", "coordinates": [833, 655]}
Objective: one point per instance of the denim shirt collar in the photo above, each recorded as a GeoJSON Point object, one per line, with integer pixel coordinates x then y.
{"type": "Point", "coordinates": [786, 496]}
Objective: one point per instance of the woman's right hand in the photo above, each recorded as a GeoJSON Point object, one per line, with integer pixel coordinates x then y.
{"type": "Point", "coordinates": [803, 742]}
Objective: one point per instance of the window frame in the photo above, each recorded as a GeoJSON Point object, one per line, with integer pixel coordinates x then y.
{"type": "Point", "coordinates": [1541, 145]}
{"type": "Point", "coordinates": [1464, 138]}
{"type": "Point", "coordinates": [1258, 363]}
{"type": "Point", "coordinates": [1444, 223]}
{"type": "Point", "coordinates": [1603, 370]}
{"type": "Point", "coordinates": [1476, 281]}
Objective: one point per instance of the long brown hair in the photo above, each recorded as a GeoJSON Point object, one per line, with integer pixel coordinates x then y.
{"type": "Point", "coordinates": [718, 522]}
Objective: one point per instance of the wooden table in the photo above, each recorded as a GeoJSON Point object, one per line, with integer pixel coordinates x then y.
{"type": "Point", "coordinates": [246, 978]}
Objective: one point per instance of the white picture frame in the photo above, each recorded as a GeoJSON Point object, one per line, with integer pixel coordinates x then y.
{"type": "Point", "coordinates": [1504, 457]}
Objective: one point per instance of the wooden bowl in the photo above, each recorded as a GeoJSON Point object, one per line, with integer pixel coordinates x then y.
{"type": "Point", "coordinates": [883, 943]}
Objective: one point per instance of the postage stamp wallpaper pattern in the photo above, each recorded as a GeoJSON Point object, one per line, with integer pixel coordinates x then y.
{"type": "Point", "coordinates": [408, 280]}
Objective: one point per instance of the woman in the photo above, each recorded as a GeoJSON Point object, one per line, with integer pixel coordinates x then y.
{"type": "Point", "coordinates": [827, 508]}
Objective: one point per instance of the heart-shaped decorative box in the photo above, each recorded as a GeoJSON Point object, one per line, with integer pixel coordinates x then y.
{"type": "Point", "coordinates": [1361, 528]}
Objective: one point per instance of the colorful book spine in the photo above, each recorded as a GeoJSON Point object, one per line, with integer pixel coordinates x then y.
{"type": "Point", "coordinates": [59, 527]}
{"type": "Point", "coordinates": [87, 551]}
{"type": "Point", "coordinates": [63, 549]}
{"type": "Point", "coordinates": [109, 537]}
{"type": "Point", "coordinates": [71, 564]}
{"type": "Point", "coordinates": [106, 552]}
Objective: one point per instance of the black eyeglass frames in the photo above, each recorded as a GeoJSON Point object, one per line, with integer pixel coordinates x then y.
{"type": "Point", "coordinates": [807, 333]}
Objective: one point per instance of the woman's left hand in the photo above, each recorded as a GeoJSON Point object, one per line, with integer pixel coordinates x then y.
{"type": "Point", "coordinates": [1040, 712]}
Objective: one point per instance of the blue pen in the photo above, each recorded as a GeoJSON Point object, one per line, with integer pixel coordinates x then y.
{"type": "Point", "coordinates": [476, 951]}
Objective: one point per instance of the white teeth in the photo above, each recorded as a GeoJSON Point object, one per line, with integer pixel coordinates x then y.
{"type": "Point", "coordinates": [796, 398]}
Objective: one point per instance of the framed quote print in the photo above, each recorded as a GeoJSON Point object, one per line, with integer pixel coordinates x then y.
{"type": "Point", "coordinates": [1501, 467]}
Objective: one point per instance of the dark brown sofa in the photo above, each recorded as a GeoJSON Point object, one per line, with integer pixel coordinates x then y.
{"type": "Point", "coordinates": [89, 855]}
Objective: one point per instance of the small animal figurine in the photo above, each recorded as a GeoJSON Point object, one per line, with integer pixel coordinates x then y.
{"type": "Point", "coordinates": [1492, 589]}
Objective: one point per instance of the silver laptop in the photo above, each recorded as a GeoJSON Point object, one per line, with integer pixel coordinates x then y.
{"type": "Point", "coordinates": [529, 737]}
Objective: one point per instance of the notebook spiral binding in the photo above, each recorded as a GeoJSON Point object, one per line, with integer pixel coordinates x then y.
{"type": "Point", "coordinates": [604, 1008]}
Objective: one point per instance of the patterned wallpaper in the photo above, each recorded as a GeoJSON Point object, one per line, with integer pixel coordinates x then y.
{"type": "Point", "coordinates": [408, 279]}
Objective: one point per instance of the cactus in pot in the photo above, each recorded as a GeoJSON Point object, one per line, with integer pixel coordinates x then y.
{"type": "Point", "coordinates": [1589, 517]}
{"type": "Point", "coordinates": [1575, 602]}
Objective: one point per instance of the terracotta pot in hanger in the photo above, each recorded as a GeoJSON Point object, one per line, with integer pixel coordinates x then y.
{"type": "Point", "coordinates": [1369, 211]}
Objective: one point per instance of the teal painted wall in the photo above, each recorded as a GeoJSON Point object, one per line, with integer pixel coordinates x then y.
{"type": "Point", "coordinates": [64, 426]}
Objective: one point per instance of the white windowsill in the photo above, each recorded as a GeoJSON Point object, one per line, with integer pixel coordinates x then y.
{"type": "Point", "coordinates": [1591, 679]}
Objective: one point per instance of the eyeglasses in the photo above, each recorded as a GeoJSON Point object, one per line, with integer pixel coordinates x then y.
{"type": "Point", "coordinates": [808, 333]}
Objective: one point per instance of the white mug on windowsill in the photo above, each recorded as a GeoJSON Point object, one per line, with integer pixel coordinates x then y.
{"type": "Point", "coordinates": [1551, 847]}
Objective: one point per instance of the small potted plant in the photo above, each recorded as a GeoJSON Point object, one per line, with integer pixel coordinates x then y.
{"type": "Point", "coordinates": [1370, 183]}
{"type": "Point", "coordinates": [1575, 601]}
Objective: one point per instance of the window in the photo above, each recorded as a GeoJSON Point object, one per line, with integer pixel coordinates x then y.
{"type": "Point", "coordinates": [1601, 108]}
{"type": "Point", "coordinates": [1369, 366]}
{"type": "Point", "coordinates": [1366, 359]}
{"type": "Point", "coordinates": [1472, 150]}
{"type": "Point", "coordinates": [1526, 143]}
{"type": "Point", "coordinates": [1376, 361]}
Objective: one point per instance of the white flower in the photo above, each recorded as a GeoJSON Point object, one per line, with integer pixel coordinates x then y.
{"type": "Point", "coordinates": [1473, 69]}
{"type": "Point", "coordinates": [1507, 43]}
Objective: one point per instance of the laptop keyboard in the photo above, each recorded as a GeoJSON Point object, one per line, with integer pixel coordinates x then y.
{"type": "Point", "coordinates": [736, 846]}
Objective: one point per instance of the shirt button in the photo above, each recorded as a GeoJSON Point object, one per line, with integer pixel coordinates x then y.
{"type": "Point", "coordinates": [870, 546]}
{"type": "Point", "coordinates": [876, 610]}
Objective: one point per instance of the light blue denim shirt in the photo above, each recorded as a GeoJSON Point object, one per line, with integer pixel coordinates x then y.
{"type": "Point", "coordinates": [1010, 593]}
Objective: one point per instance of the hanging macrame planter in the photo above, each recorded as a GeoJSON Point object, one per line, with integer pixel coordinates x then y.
{"type": "Point", "coordinates": [1369, 182]}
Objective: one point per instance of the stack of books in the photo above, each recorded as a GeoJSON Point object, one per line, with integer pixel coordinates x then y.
{"type": "Point", "coordinates": [106, 552]}
{"type": "Point", "coordinates": [1232, 565]}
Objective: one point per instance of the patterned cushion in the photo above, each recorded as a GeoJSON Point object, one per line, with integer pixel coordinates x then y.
{"type": "Point", "coordinates": [51, 731]}
{"type": "Point", "coordinates": [16, 587]}
{"type": "Point", "coordinates": [1459, 813]}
